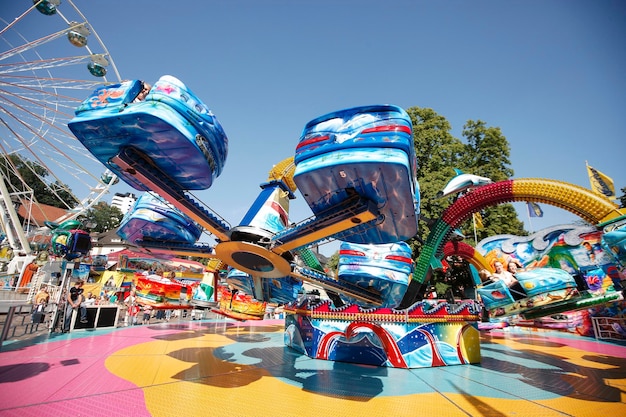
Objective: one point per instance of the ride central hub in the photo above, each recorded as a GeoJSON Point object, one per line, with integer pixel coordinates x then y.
{"type": "Point", "coordinates": [248, 251]}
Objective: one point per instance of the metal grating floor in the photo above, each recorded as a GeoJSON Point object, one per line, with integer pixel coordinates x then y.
{"type": "Point", "coordinates": [221, 367]}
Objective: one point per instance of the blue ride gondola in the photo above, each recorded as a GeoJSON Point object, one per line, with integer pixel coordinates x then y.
{"type": "Point", "coordinates": [385, 269]}
{"type": "Point", "coordinates": [151, 218]}
{"type": "Point", "coordinates": [170, 129]}
{"type": "Point", "coordinates": [367, 151]}
{"type": "Point", "coordinates": [274, 290]}
{"type": "Point", "coordinates": [539, 287]}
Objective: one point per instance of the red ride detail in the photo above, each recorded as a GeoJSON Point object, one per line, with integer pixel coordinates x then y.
{"type": "Point", "coordinates": [388, 128]}
{"type": "Point", "coordinates": [311, 141]}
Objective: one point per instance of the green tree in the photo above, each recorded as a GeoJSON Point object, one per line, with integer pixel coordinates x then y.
{"type": "Point", "coordinates": [487, 153]}
{"type": "Point", "coordinates": [437, 153]}
{"type": "Point", "coordinates": [104, 217]}
{"type": "Point", "coordinates": [333, 263]}
{"type": "Point", "coordinates": [24, 174]}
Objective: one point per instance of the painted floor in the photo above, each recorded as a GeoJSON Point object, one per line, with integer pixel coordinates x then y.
{"type": "Point", "coordinates": [221, 367]}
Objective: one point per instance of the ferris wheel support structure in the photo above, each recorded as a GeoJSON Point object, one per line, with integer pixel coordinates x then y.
{"type": "Point", "coordinates": [43, 78]}
{"type": "Point", "coordinates": [15, 235]}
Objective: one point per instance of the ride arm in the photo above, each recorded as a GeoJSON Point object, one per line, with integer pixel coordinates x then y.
{"type": "Point", "coordinates": [139, 166]}
{"type": "Point", "coordinates": [350, 213]}
{"type": "Point", "coordinates": [329, 284]}
{"type": "Point", "coordinates": [179, 249]}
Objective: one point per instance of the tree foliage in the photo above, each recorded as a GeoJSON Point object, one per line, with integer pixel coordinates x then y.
{"type": "Point", "coordinates": [485, 152]}
{"type": "Point", "coordinates": [437, 153]}
{"type": "Point", "coordinates": [104, 217]}
{"type": "Point", "coordinates": [333, 263]}
{"type": "Point", "coordinates": [23, 174]}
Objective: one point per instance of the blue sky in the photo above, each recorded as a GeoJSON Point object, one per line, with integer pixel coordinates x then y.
{"type": "Point", "coordinates": [549, 74]}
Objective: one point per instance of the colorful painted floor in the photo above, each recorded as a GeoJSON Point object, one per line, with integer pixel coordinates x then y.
{"type": "Point", "coordinates": [221, 367]}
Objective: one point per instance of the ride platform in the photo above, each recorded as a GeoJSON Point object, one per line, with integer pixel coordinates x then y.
{"type": "Point", "coordinates": [224, 367]}
{"type": "Point", "coordinates": [429, 334]}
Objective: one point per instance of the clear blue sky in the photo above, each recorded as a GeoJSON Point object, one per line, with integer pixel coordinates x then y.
{"type": "Point", "coordinates": [549, 74]}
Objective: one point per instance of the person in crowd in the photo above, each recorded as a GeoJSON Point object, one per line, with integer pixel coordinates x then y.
{"type": "Point", "coordinates": [59, 319]}
{"type": "Point", "coordinates": [147, 314]}
{"type": "Point", "coordinates": [75, 301]}
{"type": "Point", "coordinates": [269, 310]}
{"type": "Point", "coordinates": [90, 299]}
{"type": "Point", "coordinates": [40, 302]}
{"type": "Point", "coordinates": [509, 280]}
{"type": "Point", "coordinates": [460, 277]}
{"type": "Point", "coordinates": [42, 297]}
{"type": "Point", "coordinates": [514, 266]}
{"type": "Point", "coordinates": [133, 307]}
{"type": "Point", "coordinates": [279, 311]}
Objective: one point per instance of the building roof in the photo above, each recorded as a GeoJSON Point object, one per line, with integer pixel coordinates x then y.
{"type": "Point", "coordinates": [109, 238]}
{"type": "Point", "coordinates": [39, 212]}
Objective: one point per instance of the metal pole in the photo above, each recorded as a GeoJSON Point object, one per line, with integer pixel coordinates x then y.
{"type": "Point", "coordinates": [65, 285]}
{"type": "Point", "coordinates": [530, 223]}
{"type": "Point", "coordinates": [14, 220]}
{"type": "Point", "coordinates": [475, 234]}
{"type": "Point", "coordinates": [7, 324]}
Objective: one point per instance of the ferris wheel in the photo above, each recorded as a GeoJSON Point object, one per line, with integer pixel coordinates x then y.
{"type": "Point", "coordinates": [51, 58]}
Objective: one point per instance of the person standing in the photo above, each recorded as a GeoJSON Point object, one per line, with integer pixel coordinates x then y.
{"type": "Point", "coordinates": [147, 314]}
{"type": "Point", "coordinates": [75, 301]}
{"type": "Point", "coordinates": [42, 296]}
{"type": "Point", "coordinates": [133, 307]}
{"type": "Point", "coordinates": [39, 304]}
{"type": "Point", "coordinates": [29, 271]}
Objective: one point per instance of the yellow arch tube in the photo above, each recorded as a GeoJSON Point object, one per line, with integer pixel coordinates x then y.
{"type": "Point", "coordinates": [590, 206]}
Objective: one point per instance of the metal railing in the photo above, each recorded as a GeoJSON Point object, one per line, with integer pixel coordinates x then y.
{"type": "Point", "coordinates": [611, 328]}
{"type": "Point", "coordinates": [18, 322]}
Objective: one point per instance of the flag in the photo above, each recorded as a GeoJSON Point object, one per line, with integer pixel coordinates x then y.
{"type": "Point", "coordinates": [601, 183]}
{"type": "Point", "coordinates": [478, 221]}
{"type": "Point", "coordinates": [534, 210]}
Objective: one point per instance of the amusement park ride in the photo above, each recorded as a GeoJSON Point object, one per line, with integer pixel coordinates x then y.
{"type": "Point", "coordinates": [356, 170]}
